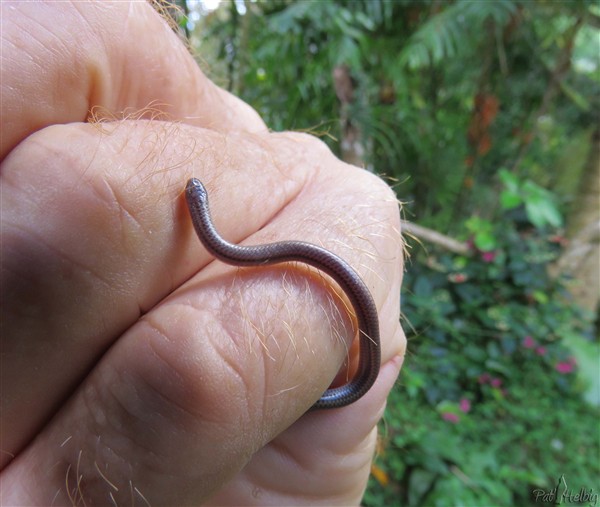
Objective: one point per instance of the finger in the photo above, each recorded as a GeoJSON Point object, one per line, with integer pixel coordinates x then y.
{"type": "Point", "coordinates": [149, 387]}
{"type": "Point", "coordinates": [303, 463]}
{"type": "Point", "coordinates": [94, 234]}
{"type": "Point", "coordinates": [183, 399]}
{"type": "Point", "coordinates": [117, 57]}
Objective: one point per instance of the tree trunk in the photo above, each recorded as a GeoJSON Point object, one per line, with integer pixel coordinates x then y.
{"type": "Point", "coordinates": [581, 258]}
{"type": "Point", "coordinates": [352, 147]}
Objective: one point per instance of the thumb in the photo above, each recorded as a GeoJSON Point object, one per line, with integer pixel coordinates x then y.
{"type": "Point", "coordinates": [116, 57]}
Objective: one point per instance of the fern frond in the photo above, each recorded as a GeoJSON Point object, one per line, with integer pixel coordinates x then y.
{"type": "Point", "coordinates": [452, 31]}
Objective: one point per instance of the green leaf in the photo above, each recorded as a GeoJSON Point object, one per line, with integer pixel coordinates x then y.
{"type": "Point", "coordinates": [460, 262]}
{"type": "Point", "coordinates": [539, 206]}
{"type": "Point", "coordinates": [476, 224]}
{"type": "Point", "coordinates": [498, 366]}
{"type": "Point", "coordinates": [413, 382]}
{"type": "Point", "coordinates": [510, 200]}
{"type": "Point", "coordinates": [346, 28]}
{"type": "Point", "coordinates": [509, 180]}
{"type": "Point", "coordinates": [447, 406]}
{"type": "Point", "coordinates": [485, 241]}
{"type": "Point", "coordinates": [365, 21]}
{"type": "Point", "coordinates": [542, 213]}
{"type": "Point", "coordinates": [346, 51]}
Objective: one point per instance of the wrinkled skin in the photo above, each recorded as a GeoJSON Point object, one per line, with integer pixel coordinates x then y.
{"type": "Point", "coordinates": [134, 368]}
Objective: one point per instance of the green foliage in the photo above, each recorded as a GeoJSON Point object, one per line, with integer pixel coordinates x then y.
{"type": "Point", "coordinates": [490, 402]}
{"type": "Point", "coordinates": [419, 68]}
{"type": "Point", "coordinates": [451, 32]}
{"type": "Point", "coordinates": [539, 203]}
{"type": "Point", "coordinates": [482, 232]}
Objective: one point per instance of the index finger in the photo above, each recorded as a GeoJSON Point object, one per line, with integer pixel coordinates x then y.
{"type": "Point", "coordinates": [61, 60]}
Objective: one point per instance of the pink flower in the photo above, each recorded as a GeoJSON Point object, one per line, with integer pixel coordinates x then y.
{"type": "Point", "coordinates": [564, 367]}
{"type": "Point", "coordinates": [457, 277]}
{"type": "Point", "coordinates": [540, 351]}
{"type": "Point", "coordinates": [528, 342]}
{"type": "Point", "coordinates": [488, 256]}
{"type": "Point", "coordinates": [465, 405]}
{"type": "Point", "coordinates": [496, 382]}
{"type": "Point", "coordinates": [450, 417]}
{"type": "Point", "coordinates": [484, 378]}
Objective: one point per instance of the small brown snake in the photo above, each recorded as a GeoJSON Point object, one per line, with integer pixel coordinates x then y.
{"type": "Point", "coordinates": [324, 260]}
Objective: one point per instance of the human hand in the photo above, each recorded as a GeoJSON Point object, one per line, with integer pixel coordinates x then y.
{"type": "Point", "coordinates": [133, 368]}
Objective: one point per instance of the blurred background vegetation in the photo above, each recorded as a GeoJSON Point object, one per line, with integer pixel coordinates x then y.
{"type": "Point", "coordinates": [484, 117]}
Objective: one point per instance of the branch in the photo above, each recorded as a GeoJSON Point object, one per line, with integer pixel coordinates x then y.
{"type": "Point", "coordinates": [436, 238]}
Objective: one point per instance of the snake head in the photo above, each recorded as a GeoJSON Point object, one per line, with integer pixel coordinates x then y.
{"type": "Point", "coordinates": [195, 189]}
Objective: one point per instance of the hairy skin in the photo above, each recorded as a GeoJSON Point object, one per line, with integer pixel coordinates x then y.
{"type": "Point", "coordinates": [133, 368]}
